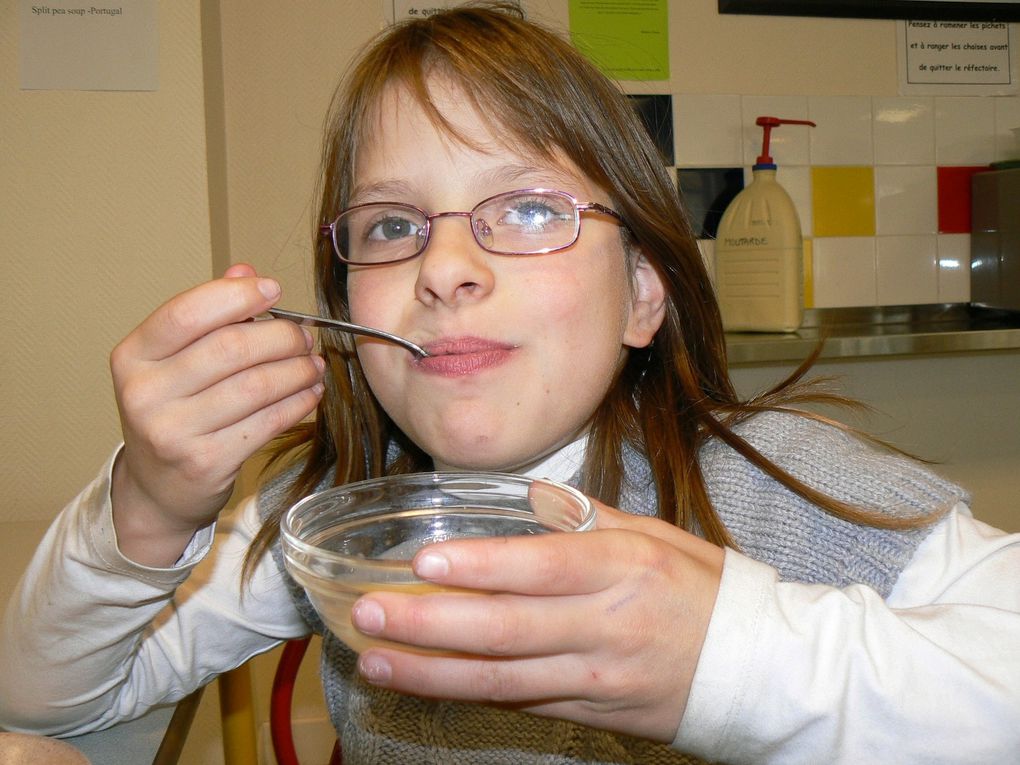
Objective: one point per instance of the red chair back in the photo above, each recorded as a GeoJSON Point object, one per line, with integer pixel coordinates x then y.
{"type": "Point", "coordinates": [280, 703]}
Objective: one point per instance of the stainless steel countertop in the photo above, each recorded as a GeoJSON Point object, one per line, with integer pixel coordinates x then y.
{"type": "Point", "coordinates": [882, 331]}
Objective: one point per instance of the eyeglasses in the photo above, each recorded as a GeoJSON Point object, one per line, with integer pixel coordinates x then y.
{"type": "Point", "coordinates": [524, 222]}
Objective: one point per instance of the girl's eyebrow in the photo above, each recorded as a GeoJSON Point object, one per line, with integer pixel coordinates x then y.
{"type": "Point", "coordinates": [510, 175]}
{"type": "Point", "coordinates": [531, 175]}
{"type": "Point", "coordinates": [379, 191]}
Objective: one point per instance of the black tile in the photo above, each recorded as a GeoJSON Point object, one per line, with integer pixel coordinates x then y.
{"type": "Point", "coordinates": [707, 191]}
{"type": "Point", "coordinates": [657, 114]}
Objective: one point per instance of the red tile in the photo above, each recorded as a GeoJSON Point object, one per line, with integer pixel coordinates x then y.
{"type": "Point", "coordinates": [954, 198]}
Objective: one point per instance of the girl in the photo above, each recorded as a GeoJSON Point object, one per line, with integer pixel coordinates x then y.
{"type": "Point", "coordinates": [772, 588]}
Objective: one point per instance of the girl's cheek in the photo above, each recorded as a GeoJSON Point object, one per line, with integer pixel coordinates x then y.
{"type": "Point", "coordinates": [363, 297]}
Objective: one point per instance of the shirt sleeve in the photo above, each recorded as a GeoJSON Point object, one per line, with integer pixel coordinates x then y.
{"type": "Point", "coordinates": [799, 673]}
{"type": "Point", "coordinates": [90, 638]}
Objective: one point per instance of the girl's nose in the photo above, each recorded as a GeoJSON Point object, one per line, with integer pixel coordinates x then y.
{"type": "Point", "coordinates": [453, 268]}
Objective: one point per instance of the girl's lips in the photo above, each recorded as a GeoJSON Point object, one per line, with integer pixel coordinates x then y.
{"type": "Point", "coordinates": [463, 355]}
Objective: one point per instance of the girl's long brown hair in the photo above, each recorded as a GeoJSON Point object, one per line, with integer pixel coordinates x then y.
{"type": "Point", "coordinates": [540, 93]}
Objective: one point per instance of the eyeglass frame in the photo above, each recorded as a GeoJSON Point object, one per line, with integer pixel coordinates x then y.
{"type": "Point", "coordinates": [330, 228]}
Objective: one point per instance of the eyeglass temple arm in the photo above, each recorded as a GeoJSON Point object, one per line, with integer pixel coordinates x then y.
{"type": "Point", "coordinates": [597, 208]}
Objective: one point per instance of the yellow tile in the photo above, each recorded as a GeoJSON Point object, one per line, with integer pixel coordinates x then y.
{"type": "Point", "coordinates": [809, 276]}
{"type": "Point", "coordinates": [843, 201]}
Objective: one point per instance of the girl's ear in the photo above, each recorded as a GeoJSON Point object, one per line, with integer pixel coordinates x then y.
{"type": "Point", "coordinates": [648, 304]}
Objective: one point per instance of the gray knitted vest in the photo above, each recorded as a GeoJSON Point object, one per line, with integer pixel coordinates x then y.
{"type": "Point", "coordinates": [768, 522]}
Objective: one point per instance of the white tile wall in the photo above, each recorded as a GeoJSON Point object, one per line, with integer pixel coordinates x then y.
{"type": "Point", "coordinates": [797, 182]}
{"type": "Point", "coordinates": [904, 137]}
{"type": "Point", "coordinates": [904, 131]}
{"type": "Point", "coordinates": [842, 132]}
{"type": "Point", "coordinates": [906, 270]}
{"type": "Point", "coordinates": [844, 271]}
{"type": "Point", "coordinates": [964, 130]}
{"type": "Point", "coordinates": [953, 268]}
{"type": "Point", "coordinates": [1007, 119]}
{"type": "Point", "coordinates": [707, 131]}
{"type": "Point", "coordinates": [906, 200]}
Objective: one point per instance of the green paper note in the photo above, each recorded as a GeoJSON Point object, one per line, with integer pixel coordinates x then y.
{"type": "Point", "coordinates": [626, 39]}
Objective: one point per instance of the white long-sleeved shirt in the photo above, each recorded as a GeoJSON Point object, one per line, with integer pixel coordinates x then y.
{"type": "Point", "coordinates": [790, 673]}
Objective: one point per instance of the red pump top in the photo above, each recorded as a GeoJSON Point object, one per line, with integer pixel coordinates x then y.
{"type": "Point", "coordinates": [767, 123]}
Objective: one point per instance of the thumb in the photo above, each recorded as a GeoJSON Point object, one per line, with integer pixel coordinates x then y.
{"type": "Point", "coordinates": [611, 518]}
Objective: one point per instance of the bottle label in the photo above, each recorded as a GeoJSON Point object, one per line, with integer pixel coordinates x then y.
{"type": "Point", "coordinates": [746, 241]}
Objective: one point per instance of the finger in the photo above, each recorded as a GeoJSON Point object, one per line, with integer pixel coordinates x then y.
{"type": "Point", "coordinates": [559, 563]}
{"type": "Point", "coordinates": [565, 687]}
{"type": "Point", "coordinates": [237, 270]}
{"type": "Point", "coordinates": [492, 625]}
{"type": "Point", "coordinates": [250, 391]}
{"type": "Point", "coordinates": [500, 681]}
{"type": "Point", "coordinates": [149, 387]}
{"type": "Point", "coordinates": [234, 444]}
{"type": "Point", "coordinates": [228, 352]}
{"type": "Point", "coordinates": [607, 517]}
{"type": "Point", "coordinates": [611, 518]}
{"type": "Point", "coordinates": [193, 314]}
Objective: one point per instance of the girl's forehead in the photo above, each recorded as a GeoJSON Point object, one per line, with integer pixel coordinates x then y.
{"type": "Point", "coordinates": [405, 141]}
{"type": "Point", "coordinates": [444, 108]}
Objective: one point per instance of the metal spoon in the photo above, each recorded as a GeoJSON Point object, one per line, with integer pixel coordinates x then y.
{"type": "Point", "coordinates": [308, 320]}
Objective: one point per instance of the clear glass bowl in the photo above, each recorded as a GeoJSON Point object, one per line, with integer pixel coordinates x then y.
{"type": "Point", "coordinates": [353, 539]}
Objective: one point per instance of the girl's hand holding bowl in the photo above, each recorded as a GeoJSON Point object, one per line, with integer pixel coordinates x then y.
{"type": "Point", "coordinates": [343, 542]}
{"type": "Point", "coordinates": [603, 628]}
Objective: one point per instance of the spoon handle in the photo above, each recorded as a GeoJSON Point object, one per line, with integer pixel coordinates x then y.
{"type": "Point", "coordinates": [308, 320]}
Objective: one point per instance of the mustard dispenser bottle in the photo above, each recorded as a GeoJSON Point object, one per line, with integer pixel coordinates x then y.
{"type": "Point", "coordinates": [759, 251]}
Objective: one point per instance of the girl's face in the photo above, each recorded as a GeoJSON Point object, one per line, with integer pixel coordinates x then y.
{"type": "Point", "coordinates": [525, 347]}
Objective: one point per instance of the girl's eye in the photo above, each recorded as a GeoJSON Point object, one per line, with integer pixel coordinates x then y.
{"type": "Point", "coordinates": [391, 228]}
{"type": "Point", "coordinates": [531, 215]}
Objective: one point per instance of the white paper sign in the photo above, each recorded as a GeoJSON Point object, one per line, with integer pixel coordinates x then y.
{"type": "Point", "coordinates": [79, 45]}
{"type": "Point", "coordinates": [401, 10]}
{"type": "Point", "coordinates": [957, 58]}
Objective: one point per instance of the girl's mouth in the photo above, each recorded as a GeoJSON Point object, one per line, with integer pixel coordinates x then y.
{"type": "Point", "coordinates": [458, 356]}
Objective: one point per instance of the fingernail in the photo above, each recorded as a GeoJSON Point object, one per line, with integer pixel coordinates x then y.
{"type": "Point", "coordinates": [320, 363]}
{"type": "Point", "coordinates": [270, 288]}
{"type": "Point", "coordinates": [374, 668]}
{"type": "Point", "coordinates": [309, 340]}
{"type": "Point", "coordinates": [368, 616]}
{"type": "Point", "coordinates": [431, 565]}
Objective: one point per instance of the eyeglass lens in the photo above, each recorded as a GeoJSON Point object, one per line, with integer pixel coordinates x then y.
{"type": "Point", "coordinates": [517, 223]}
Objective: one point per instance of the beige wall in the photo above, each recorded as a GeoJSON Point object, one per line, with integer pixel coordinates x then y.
{"type": "Point", "coordinates": [105, 214]}
{"type": "Point", "coordinates": [112, 202]}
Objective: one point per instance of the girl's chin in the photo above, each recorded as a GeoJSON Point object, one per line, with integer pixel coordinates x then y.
{"type": "Point", "coordinates": [469, 465]}
{"type": "Point", "coordinates": [478, 460]}
{"type": "Point", "coordinates": [477, 438]}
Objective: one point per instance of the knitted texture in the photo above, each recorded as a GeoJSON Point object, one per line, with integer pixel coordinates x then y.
{"type": "Point", "coordinates": [768, 522]}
